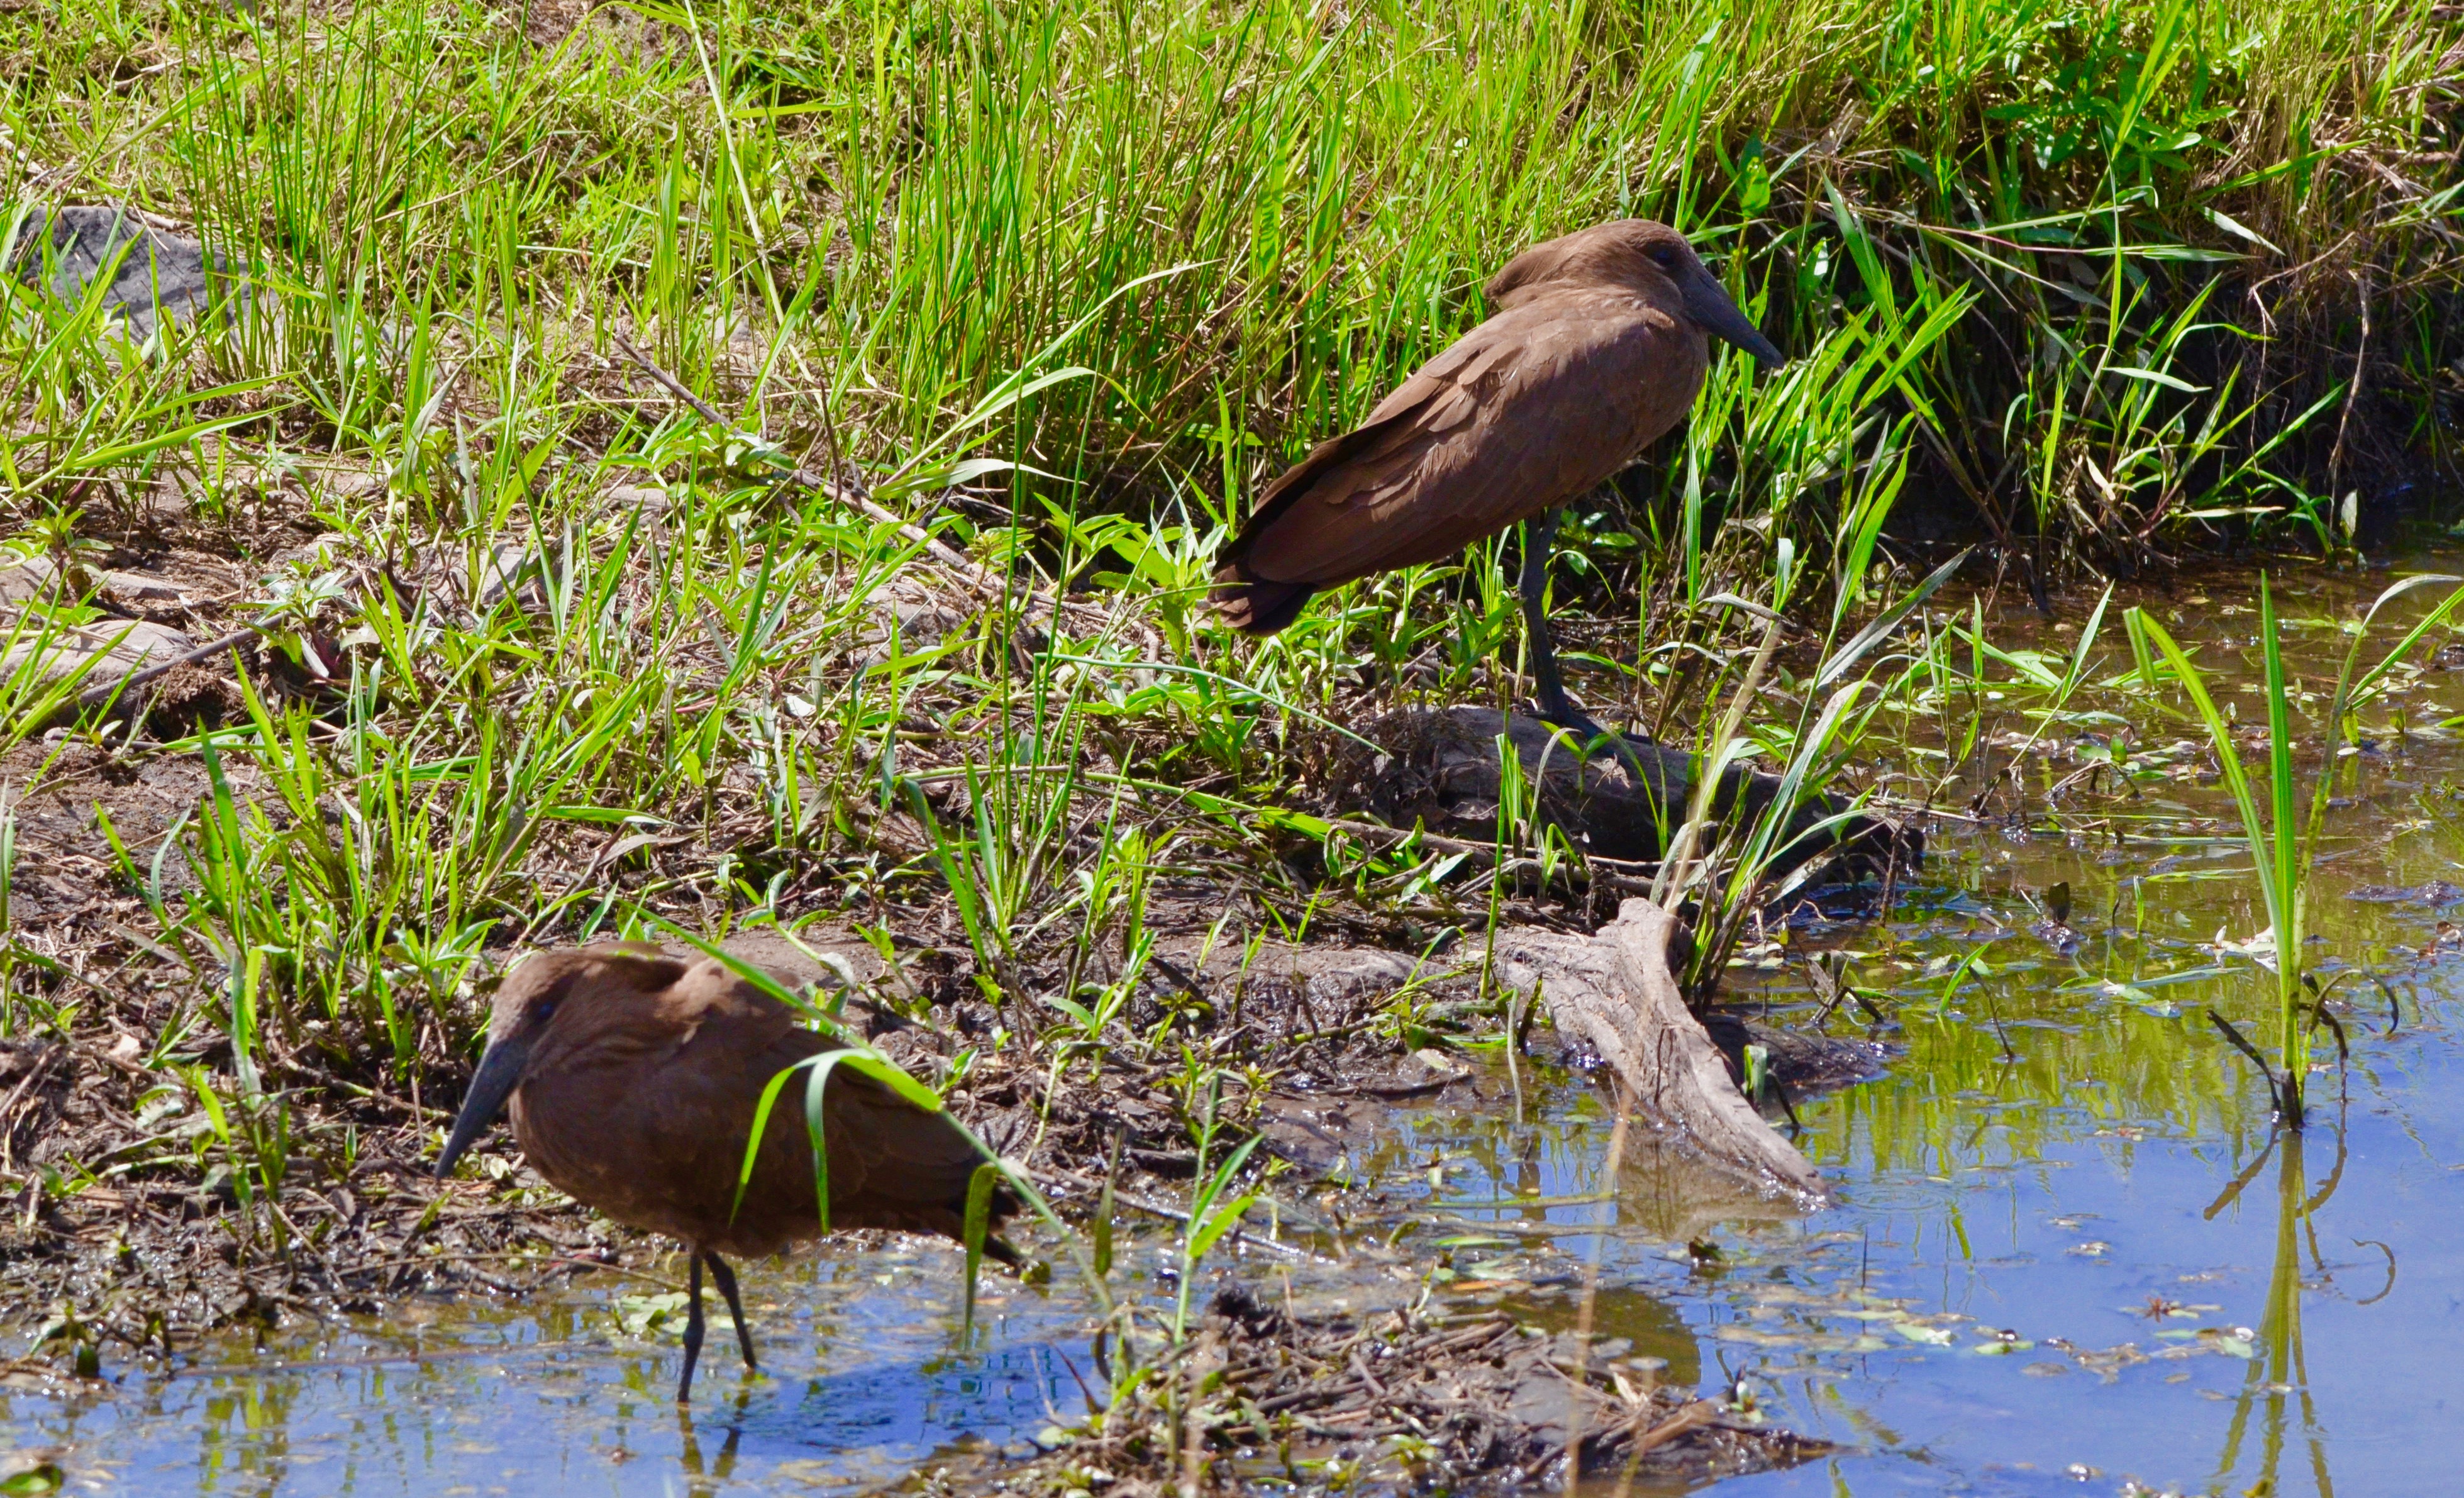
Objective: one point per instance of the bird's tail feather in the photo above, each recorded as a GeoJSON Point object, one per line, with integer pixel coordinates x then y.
{"type": "Point", "coordinates": [1258, 606]}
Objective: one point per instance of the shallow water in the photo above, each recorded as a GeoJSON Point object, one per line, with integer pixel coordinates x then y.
{"type": "Point", "coordinates": [573, 1391]}
{"type": "Point", "coordinates": [2040, 1276]}
{"type": "Point", "coordinates": [2070, 1251]}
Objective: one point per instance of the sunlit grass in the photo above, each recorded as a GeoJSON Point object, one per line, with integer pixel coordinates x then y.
{"type": "Point", "coordinates": [1061, 286]}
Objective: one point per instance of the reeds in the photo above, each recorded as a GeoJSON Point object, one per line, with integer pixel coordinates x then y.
{"type": "Point", "coordinates": [2283, 845]}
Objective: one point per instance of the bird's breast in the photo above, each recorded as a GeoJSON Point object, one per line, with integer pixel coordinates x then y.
{"type": "Point", "coordinates": [605, 1140]}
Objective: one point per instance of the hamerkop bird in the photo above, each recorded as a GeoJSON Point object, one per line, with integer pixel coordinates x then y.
{"type": "Point", "coordinates": [633, 1079]}
{"type": "Point", "coordinates": [1599, 343]}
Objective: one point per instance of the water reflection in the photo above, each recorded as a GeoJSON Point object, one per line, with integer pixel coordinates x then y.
{"type": "Point", "coordinates": [862, 1385]}
{"type": "Point", "coordinates": [2037, 1277]}
{"type": "Point", "coordinates": [2283, 1373]}
{"type": "Point", "coordinates": [708, 1477]}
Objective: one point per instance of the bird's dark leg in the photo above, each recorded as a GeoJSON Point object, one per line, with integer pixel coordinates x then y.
{"type": "Point", "coordinates": [726, 1278]}
{"type": "Point", "coordinates": [1539, 536]}
{"type": "Point", "coordinates": [693, 1327]}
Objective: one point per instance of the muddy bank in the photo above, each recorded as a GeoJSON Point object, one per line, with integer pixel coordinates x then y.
{"type": "Point", "coordinates": [161, 1205]}
{"type": "Point", "coordinates": [1268, 1394]}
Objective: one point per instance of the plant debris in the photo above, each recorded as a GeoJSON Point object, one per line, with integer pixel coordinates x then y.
{"type": "Point", "coordinates": [1263, 1394]}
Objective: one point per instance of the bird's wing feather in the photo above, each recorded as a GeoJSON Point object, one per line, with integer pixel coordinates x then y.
{"type": "Point", "coordinates": [1527, 410]}
{"type": "Point", "coordinates": [884, 1152]}
{"type": "Point", "coordinates": [1394, 428]}
{"type": "Point", "coordinates": [699, 1099]}
{"type": "Point", "coordinates": [911, 1156]}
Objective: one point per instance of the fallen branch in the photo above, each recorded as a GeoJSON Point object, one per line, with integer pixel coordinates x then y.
{"type": "Point", "coordinates": [1614, 991]}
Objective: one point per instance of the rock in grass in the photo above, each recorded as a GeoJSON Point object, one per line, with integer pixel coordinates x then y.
{"type": "Point", "coordinates": [114, 648]}
{"type": "Point", "coordinates": [160, 274]}
{"type": "Point", "coordinates": [1441, 769]}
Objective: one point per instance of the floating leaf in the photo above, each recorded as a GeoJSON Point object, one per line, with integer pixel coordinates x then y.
{"type": "Point", "coordinates": [642, 1315]}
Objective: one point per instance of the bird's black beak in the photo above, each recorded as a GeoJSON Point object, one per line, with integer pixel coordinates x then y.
{"type": "Point", "coordinates": [501, 1072]}
{"type": "Point", "coordinates": [1707, 303]}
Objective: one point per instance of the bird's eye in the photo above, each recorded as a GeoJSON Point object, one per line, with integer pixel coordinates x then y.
{"type": "Point", "coordinates": [542, 1013]}
{"type": "Point", "coordinates": [1664, 258]}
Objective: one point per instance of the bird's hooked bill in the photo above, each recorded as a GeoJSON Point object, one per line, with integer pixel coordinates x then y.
{"type": "Point", "coordinates": [501, 1072]}
{"type": "Point", "coordinates": [1709, 303]}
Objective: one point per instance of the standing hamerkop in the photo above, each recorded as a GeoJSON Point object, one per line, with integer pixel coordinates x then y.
{"type": "Point", "coordinates": [633, 1080]}
{"type": "Point", "coordinates": [1598, 344]}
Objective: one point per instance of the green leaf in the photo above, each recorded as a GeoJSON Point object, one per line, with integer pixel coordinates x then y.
{"type": "Point", "coordinates": [872, 1063]}
{"type": "Point", "coordinates": [753, 1141]}
{"type": "Point", "coordinates": [43, 1477]}
{"type": "Point", "coordinates": [2158, 377]}
{"type": "Point", "coordinates": [1202, 1236]}
{"type": "Point", "coordinates": [1207, 1226]}
{"type": "Point", "coordinates": [2277, 855]}
{"type": "Point", "coordinates": [2233, 225]}
{"type": "Point", "coordinates": [2360, 692]}
{"type": "Point", "coordinates": [1873, 634]}
{"type": "Point", "coordinates": [972, 1231]}
{"type": "Point", "coordinates": [1103, 1226]}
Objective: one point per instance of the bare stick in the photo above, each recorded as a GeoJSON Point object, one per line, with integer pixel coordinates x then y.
{"type": "Point", "coordinates": [830, 486]}
{"type": "Point", "coordinates": [96, 696]}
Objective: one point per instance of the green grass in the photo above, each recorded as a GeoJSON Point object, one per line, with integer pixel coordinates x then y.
{"type": "Point", "coordinates": [1063, 285]}
{"type": "Point", "coordinates": [2031, 248]}
{"type": "Point", "coordinates": [2283, 845]}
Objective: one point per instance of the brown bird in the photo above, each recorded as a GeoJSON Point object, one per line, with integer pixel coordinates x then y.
{"type": "Point", "coordinates": [1599, 343]}
{"type": "Point", "coordinates": [633, 1079]}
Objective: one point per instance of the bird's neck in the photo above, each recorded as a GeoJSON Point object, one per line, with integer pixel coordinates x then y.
{"type": "Point", "coordinates": [596, 1046]}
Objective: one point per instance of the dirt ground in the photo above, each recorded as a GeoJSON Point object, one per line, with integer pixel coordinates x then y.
{"type": "Point", "coordinates": [158, 1205]}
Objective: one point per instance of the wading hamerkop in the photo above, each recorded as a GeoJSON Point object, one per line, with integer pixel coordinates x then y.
{"type": "Point", "coordinates": [633, 1080]}
{"type": "Point", "coordinates": [1599, 344]}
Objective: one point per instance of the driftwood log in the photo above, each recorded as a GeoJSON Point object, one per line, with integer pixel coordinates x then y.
{"type": "Point", "coordinates": [1439, 769]}
{"type": "Point", "coordinates": [1614, 991]}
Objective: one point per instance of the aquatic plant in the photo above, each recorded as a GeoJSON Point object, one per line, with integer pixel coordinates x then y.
{"type": "Point", "coordinates": [1720, 861]}
{"type": "Point", "coordinates": [2283, 845]}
